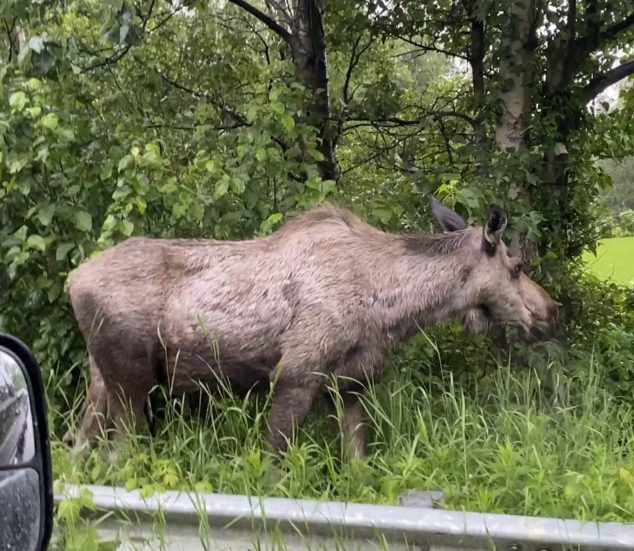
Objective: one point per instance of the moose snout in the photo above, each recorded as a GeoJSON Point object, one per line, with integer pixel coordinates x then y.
{"type": "Point", "coordinates": [545, 324]}
{"type": "Point", "coordinates": [543, 311]}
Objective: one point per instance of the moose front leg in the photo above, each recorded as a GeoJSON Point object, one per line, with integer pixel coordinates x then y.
{"type": "Point", "coordinates": [291, 404]}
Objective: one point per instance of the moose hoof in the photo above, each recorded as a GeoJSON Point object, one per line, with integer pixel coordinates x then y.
{"type": "Point", "coordinates": [69, 439]}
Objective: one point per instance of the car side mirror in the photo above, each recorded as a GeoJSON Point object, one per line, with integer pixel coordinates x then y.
{"type": "Point", "coordinates": [26, 486]}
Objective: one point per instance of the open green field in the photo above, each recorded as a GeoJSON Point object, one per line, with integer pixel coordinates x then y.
{"type": "Point", "coordinates": [614, 260]}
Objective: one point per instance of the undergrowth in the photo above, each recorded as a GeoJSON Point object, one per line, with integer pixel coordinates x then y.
{"type": "Point", "coordinates": [534, 441]}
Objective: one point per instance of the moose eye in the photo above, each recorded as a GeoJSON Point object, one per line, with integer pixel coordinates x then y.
{"type": "Point", "coordinates": [517, 269]}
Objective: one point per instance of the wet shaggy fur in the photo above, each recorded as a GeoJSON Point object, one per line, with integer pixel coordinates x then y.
{"type": "Point", "coordinates": [326, 295]}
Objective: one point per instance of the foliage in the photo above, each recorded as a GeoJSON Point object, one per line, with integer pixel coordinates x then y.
{"type": "Point", "coordinates": [546, 60]}
{"type": "Point", "coordinates": [75, 533]}
{"type": "Point", "coordinates": [620, 196]}
{"type": "Point", "coordinates": [624, 224]}
{"type": "Point", "coordinates": [85, 163]}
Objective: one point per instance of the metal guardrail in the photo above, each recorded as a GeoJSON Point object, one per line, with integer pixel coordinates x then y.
{"type": "Point", "coordinates": [189, 522]}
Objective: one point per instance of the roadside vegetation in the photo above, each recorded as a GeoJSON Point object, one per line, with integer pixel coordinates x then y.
{"type": "Point", "coordinates": [532, 440]}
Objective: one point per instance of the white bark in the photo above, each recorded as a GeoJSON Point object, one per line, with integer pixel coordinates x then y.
{"type": "Point", "coordinates": [516, 72]}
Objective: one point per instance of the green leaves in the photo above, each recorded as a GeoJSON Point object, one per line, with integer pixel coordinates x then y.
{"type": "Point", "coordinates": [126, 227]}
{"type": "Point", "coordinates": [106, 170]}
{"type": "Point", "coordinates": [288, 121]}
{"type": "Point", "coordinates": [386, 211]}
{"type": "Point", "coordinates": [271, 223]}
{"type": "Point", "coordinates": [18, 101]}
{"type": "Point", "coordinates": [222, 187]}
{"type": "Point", "coordinates": [125, 162]}
{"type": "Point", "coordinates": [169, 187]}
{"type": "Point", "coordinates": [50, 121]}
{"type": "Point", "coordinates": [45, 214]}
{"type": "Point", "coordinates": [36, 242]}
{"type": "Point", "coordinates": [83, 220]}
{"type": "Point", "coordinates": [62, 251]}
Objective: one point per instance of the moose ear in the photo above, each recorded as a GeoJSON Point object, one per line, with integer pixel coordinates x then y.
{"type": "Point", "coordinates": [494, 228]}
{"type": "Point", "coordinates": [447, 218]}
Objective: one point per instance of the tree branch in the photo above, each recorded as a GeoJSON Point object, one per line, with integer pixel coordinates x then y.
{"type": "Point", "coordinates": [595, 36]}
{"type": "Point", "coordinates": [221, 128]}
{"type": "Point", "coordinates": [427, 48]}
{"type": "Point", "coordinates": [619, 27]}
{"type": "Point", "coordinates": [572, 19]}
{"type": "Point", "coordinates": [397, 121]}
{"type": "Point", "coordinates": [238, 117]}
{"type": "Point", "coordinates": [475, 55]}
{"type": "Point", "coordinates": [446, 140]}
{"type": "Point", "coordinates": [355, 57]}
{"type": "Point", "coordinates": [593, 21]}
{"type": "Point", "coordinates": [147, 16]}
{"type": "Point", "coordinates": [284, 10]}
{"type": "Point", "coordinates": [268, 21]}
{"type": "Point", "coordinates": [121, 52]}
{"type": "Point", "coordinates": [110, 60]}
{"type": "Point", "coordinates": [600, 83]}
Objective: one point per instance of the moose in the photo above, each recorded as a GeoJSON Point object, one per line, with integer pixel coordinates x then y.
{"type": "Point", "coordinates": [326, 295]}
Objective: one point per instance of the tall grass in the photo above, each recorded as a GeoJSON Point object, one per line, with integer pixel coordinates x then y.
{"type": "Point", "coordinates": [511, 440]}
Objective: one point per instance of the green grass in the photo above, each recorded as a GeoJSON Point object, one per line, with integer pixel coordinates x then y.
{"type": "Point", "coordinates": [493, 438]}
{"type": "Point", "coordinates": [614, 260]}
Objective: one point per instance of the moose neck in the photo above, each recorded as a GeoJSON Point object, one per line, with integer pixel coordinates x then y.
{"type": "Point", "coordinates": [428, 285]}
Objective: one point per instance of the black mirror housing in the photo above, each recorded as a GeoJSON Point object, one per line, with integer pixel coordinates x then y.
{"type": "Point", "coordinates": [26, 482]}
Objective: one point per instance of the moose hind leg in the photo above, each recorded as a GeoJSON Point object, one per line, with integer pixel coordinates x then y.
{"type": "Point", "coordinates": [93, 415]}
{"type": "Point", "coordinates": [354, 426]}
{"type": "Point", "coordinates": [128, 377]}
{"type": "Point", "coordinates": [127, 408]}
{"type": "Point", "coordinates": [292, 401]}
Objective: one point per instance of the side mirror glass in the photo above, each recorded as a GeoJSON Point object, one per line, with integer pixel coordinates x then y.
{"type": "Point", "coordinates": [26, 514]}
{"type": "Point", "coordinates": [17, 443]}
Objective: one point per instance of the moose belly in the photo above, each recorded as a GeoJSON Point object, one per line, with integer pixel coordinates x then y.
{"type": "Point", "coordinates": [232, 330]}
{"type": "Point", "coordinates": [241, 363]}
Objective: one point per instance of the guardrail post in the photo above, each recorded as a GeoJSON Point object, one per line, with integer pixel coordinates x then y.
{"type": "Point", "coordinates": [430, 499]}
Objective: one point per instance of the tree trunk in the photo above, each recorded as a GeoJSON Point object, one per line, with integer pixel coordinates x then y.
{"type": "Point", "coordinates": [307, 42]}
{"type": "Point", "coordinates": [516, 75]}
{"type": "Point", "coordinates": [309, 57]}
{"type": "Point", "coordinates": [475, 56]}
{"type": "Point", "coordinates": [516, 79]}
{"type": "Point", "coordinates": [16, 39]}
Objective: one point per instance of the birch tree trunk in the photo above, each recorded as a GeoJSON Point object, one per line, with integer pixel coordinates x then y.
{"type": "Point", "coordinates": [515, 96]}
{"type": "Point", "coordinates": [516, 74]}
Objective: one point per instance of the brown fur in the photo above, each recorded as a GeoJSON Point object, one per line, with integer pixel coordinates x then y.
{"type": "Point", "coordinates": [327, 294]}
